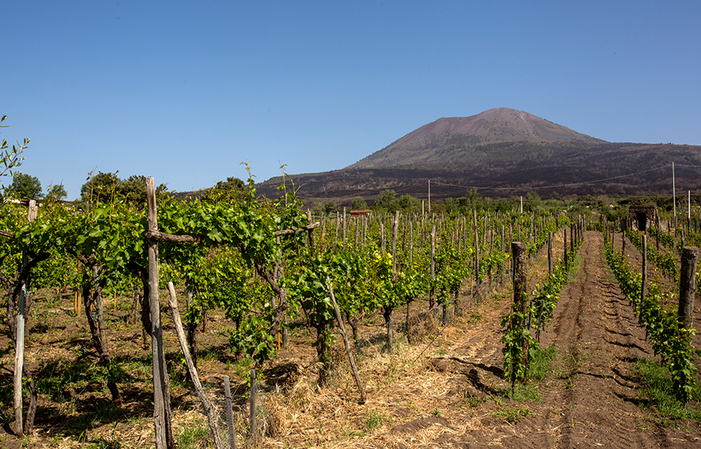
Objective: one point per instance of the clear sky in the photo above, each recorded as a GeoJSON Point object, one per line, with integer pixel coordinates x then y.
{"type": "Point", "coordinates": [186, 91]}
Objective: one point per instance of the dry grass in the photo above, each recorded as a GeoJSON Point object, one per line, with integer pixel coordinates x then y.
{"type": "Point", "coordinates": [410, 403]}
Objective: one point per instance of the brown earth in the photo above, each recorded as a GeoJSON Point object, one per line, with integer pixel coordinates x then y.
{"type": "Point", "coordinates": [443, 390]}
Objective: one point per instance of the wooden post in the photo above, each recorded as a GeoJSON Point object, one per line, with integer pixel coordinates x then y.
{"type": "Point", "coordinates": [382, 235]}
{"type": "Point", "coordinates": [19, 342]}
{"type": "Point", "coordinates": [159, 408]}
{"type": "Point", "coordinates": [644, 279]}
{"type": "Point", "coordinates": [19, 353]}
{"type": "Point", "coordinates": [550, 253]}
{"type": "Point", "coordinates": [344, 228]}
{"type": "Point", "coordinates": [335, 239]}
{"type": "Point", "coordinates": [229, 413]}
{"type": "Point", "coordinates": [477, 251]}
{"type": "Point", "coordinates": [519, 250]}
{"type": "Point", "coordinates": [252, 407]}
{"type": "Point", "coordinates": [395, 230]}
{"type": "Point", "coordinates": [432, 297]}
{"type": "Point", "coordinates": [349, 352]}
{"type": "Point", "coordinates": [209, 409]}
{"type": "Point", "coordinates": [411, 241]}
{"type": "Point", "coordinates": [687, 287]}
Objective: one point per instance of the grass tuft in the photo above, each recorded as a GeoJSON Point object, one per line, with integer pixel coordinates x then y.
{"type": "Point", "coordinates": [659, 390]}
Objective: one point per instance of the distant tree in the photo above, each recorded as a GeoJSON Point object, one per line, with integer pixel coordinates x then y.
{"type": "Point", "coordinates": [472, 199]}
{"type": "Point", "coordinates": [385, 201]}
{"type": "Point", "coordinates": [532, 202]}
{"type": "Point", "coordinates": [231, 184]}
{"type": "Point", "coordinates": [359, 203]}
{"type": "Point", "coordinates": [56, 193]}
{"type": "Point", "coordinates": [407, 202]}
{"type": "Point", "coordinates": [104, 187]}
{"type": "Point", "coordinates": [24, 187]}
{"type": "Point", "coordinates": [231, 190]}
{"type": "Point", "coordinates": [101, 188]}
{"type": "Point", "coordinates": [451, 205]}
{"type": "Point", "coordinates": [330, 207]}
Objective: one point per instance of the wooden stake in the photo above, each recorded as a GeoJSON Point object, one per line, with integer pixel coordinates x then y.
{"type": "Point", "coordinates": [159, 409]}
{"type": "Point", "coordinates": [209, 409]}
{"type": "Point", "coordinates": [687, 287]}
{"type": "Point", "coordinates": [349, 352]}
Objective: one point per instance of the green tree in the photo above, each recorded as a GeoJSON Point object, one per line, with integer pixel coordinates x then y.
{"type": "Point", "coordinates": [385, 201]}
{"type": "Point", "coordinates": [359, 203]}
{"type": "Point", "coordinates": [231, 190]}
{"type": "Point", "coordinates": [330, 207]}
{"type": "Point", "coordinates": [407, 202]}
{"type": "Point", "coordinates": [104, 187]}
{"type": "Point", "coordinates": [101, 188]}
{"type": "Point", "coordinates": [532, 202]}
{"type": "Point", "coordinates": [472, 199]}
{"type": "Point", "coordinates": [56, 193]}
{"type": "Point", "coordinates": [24, 187]}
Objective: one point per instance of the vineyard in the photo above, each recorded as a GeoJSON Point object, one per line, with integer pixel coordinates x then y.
{"type": "Point", "coordinates": [222, 322]}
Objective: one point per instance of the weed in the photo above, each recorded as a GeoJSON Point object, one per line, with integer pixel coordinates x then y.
{"type": "Point", "coordinates": [436, 412]}
{"type": "Point", "coordinates": [473, 401]}
{"type": "Point", "coordinates": [659, 388]}
{"type": "Point", "coordinates": [513, 415]}
{"type": "Point", "coordinates": [375, 419]}
{"type": "Point", "coordinates": [193, 437]}
{"type": "Point", "coordinates": [540, 365]}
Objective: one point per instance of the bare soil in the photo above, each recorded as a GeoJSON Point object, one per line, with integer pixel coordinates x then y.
{"type": "Point", "coordinates": [445, 389]}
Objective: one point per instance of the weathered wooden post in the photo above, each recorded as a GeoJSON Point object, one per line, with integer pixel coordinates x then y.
{"type": "Point", "coordinates": [550, 253]}
{"type": "Point", "coordinates": [395, 231]}
{"type": "Point", "coordinates": [432, 296]}
{"type": "Point", "coordinates": [161, 421]}
{"type": "Point", "coordinates": [519, 251]}
{"type": "Point", "coordinates": [229, 413]}
{"type": "Point", "coordinates": [19, 341]}
{"type": "Point", "coordinates": [643, 285]}
{"type": "Point", "coordinates": [477, 252]}
{"type": "Point", "coordinates": [349, 351]}
{"type": "Point", "coordinates": [687, 287]}
{"type": "Point", "coordinates": [345, 231]}
{"type": "Point", "coordinates": [252, 407]}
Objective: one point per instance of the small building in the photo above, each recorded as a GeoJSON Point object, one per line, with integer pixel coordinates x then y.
{"type": "Point", "coordinates": [642, 216]}
{"type": "Point", "coordinates": [360, 213]}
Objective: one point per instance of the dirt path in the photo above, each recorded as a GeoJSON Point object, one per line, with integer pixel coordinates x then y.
{"type": "Point", "coordinates": [591, 401]}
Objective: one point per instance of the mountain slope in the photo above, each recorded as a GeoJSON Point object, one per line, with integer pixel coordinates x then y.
{"type": "Point", "coordinates": [467, 139]}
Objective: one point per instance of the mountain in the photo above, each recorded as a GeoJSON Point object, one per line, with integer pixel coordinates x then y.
{"type": "Point", "coordinates": [504, 153]}
{"type": "Point", "coordinates": [464, 139]}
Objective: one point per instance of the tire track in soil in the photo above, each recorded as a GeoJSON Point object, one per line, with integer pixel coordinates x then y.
{"type": "Point", "coordinates": [591, 399]}
{"type": "Point", "coordinates": [598, 340]}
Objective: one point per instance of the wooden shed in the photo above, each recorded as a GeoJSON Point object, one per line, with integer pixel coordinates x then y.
{"type": "Point", "coordinates": [642, 216]}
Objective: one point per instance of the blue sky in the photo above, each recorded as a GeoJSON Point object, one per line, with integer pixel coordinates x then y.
{"type": "Point", "coordinates": [186, 91]}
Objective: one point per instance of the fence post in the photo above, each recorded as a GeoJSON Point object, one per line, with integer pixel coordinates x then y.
{"type": "Point", "coordinates": [550, 253]}
{"type": "Point", "coordinates": [253, 406]}
{"type": "Point", "coordinates": [519, 251]}
{"type": "Point", "coordinates": [687, 286]}
{"type": "Point", "coordinates": [229, 413]}
{"type": "Point", "coordinates": [643, 285]}
{"type": "Point", "coordinates": [160, 419]}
